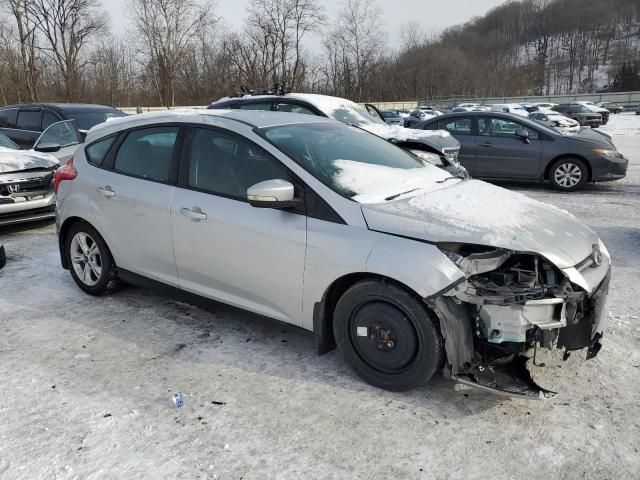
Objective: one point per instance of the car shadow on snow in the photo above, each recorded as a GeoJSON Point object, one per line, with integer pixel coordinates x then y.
{"type": "Point", "coordinates": [223, 335]}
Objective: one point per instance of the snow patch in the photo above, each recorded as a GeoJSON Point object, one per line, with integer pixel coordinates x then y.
{"type": "Point", "coordinates": [374, 183]}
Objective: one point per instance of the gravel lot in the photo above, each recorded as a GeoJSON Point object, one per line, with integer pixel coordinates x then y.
{"type": "Point", "coordinates": [87, 383]}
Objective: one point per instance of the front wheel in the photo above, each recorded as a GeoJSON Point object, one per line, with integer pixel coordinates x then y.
{"type": "Point", "coordinates": [568, 174]}
{"type": "Point", "coordinates": [91, 264]}
{"type": "Point", "coordinates": [387, 336]}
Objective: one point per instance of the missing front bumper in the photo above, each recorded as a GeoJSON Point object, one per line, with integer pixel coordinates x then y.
{"type": "Point", "coordinates": [510, 374]}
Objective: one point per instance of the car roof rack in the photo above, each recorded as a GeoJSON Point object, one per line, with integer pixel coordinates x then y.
{"type": "Point", "coordinates": [278, 89]}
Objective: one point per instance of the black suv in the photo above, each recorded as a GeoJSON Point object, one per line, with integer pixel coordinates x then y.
{"type": "Point", "coordinates": [24, 123]}
{"type": "Point", "coordinates": [581, 114]}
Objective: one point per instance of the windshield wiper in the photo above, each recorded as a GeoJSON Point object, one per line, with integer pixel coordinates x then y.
{"type": "Point", "coordinates": [393, 197]}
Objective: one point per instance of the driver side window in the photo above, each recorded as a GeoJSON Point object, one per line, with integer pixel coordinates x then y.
{"type": "Point", "coordinates": [227, 165]}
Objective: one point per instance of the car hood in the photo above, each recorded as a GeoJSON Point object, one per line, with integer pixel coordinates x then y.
{"type": "Point", "coordinates": [440, 140]}
{"type": "Point", "coordinates": [475, 212]}
{"type": "Point", "coordinates": [593, 137]}
{"type": "Point", "coordinates": [19, 160]}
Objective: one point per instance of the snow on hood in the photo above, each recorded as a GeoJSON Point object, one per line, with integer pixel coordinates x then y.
{"type": "Point", "coordinates": [402, 134]}
{"type": "Point", "coordinates": [374, 183]}
{"type": "Point", "coordinates": [479, 213]}
{"type": "Point", "coordinates": [17, 160]}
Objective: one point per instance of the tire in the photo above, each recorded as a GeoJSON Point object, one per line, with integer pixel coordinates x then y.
{"type": "Point", "coordinates": [90, 262]}
{"type": "Point", "coordinates": [398, 346]}
{"type": "Point", "coordinates": [568, 174]}
{"type": "Point", "coordinates": [3, 257]}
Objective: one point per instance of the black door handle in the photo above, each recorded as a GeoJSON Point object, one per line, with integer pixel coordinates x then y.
{"type": "Point", "coordinates": [486, 144]}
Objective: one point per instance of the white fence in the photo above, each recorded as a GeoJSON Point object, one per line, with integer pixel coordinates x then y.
{"type": "Point", "coordinates": [624, 98]}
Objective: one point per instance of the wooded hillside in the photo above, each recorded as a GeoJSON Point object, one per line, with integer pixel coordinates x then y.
{"type": "Point", "coordinates": [178, 52]}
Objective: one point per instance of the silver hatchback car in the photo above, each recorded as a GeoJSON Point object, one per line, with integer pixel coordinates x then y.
{"type": "Point", "coordinates": [309, 221]}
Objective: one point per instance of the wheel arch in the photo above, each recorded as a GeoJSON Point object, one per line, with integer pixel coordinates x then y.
{"type": "Point", "coordinates": [62, 235]}
{"type": "Point", "coordinates": [547, 169]}
{"type": "Point", "coordinates": [324, 309]}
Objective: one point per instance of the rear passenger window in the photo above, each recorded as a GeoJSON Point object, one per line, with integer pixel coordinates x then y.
{"type": "Point", "coordinates": [147, 153]}
{"type": "Point", "coordinates": [256, 106]}
{"type": "Point", "coordinates": [29, 120]}
{"type": "Point", "coordinates": [97, 151]}
{"type": "Point", "coordinates": [458, 126]}
{"type": "Point", "coordinates": [8, 118]}
{"type": "Point", "coordinates": [290, 107]}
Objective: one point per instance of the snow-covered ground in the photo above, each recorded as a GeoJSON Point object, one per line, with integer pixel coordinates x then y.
{"type": "Point", "coordinates": [87, 382]}
{"type": "Point", "coordinates": [627, 123]}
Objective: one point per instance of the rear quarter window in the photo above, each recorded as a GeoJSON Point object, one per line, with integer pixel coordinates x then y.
{"type": "Point", "coordinates": [97, 151]}
{"type": "Point", "coordinates": [29, 120]}
{"type": "Point", "coordinates": [8, 118]}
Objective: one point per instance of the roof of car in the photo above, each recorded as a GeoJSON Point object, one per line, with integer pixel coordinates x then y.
{"type": "Point", "coordinates": [252, 118]}
{"type": "Point", "coordinates": [63, 107]}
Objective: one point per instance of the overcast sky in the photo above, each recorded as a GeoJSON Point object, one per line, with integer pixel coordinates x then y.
{"type": "Point", "coordinates": [434, 15]}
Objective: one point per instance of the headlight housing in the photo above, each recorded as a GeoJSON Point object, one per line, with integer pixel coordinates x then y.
{"type": "Point", "coordinates": [610, 154]}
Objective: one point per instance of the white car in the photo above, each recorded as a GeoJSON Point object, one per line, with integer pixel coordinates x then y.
{"type": "Point", "coordinates": [555, 120]}
{"type": "Point", "coordinates": [319, 224]}
{"type": "Point", "coordinates": [471, 107]}
{"type": "Point", "coordinates": [542, 105]}
{"type": "Point", "coordinates": [513, 108]}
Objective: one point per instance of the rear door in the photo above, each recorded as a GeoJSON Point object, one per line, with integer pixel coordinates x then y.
{"type": "Point", "coordinates": [131, 198]}
{"type": "Point", "coordinates": [8, 117]}
{"type": "Point", "coordinates": [225, 249]}
{"type": "Point", "coordinates": [500, 154]}
{"type": "Point", "coordinates": [28, 127]}
{"type": "Point", "coordinates": [461, 129]}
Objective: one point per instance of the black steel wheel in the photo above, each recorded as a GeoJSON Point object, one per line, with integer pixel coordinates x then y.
{"type": "Point", "coordinates": [387, 335]}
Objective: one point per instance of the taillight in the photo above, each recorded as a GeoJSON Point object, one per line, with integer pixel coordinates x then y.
{"type": "Point", "coordinates": [68, 172]}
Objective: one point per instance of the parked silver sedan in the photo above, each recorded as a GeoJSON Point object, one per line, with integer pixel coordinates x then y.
{"type": "Point", "coordinates": [409, 270]}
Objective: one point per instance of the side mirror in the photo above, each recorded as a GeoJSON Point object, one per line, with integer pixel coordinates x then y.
{"type": "Point", "coordinates": [523, 134]}
{"type": "Point", "coordinates": [271, 194]}
{"type": "Point", "coordinates": [48, 147]}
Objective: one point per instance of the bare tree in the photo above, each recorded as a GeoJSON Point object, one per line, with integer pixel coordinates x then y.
{"type": "Point", "coordinates": [167, 28]}
{"type": "Point", "coordinates": [26, 36]}
{"type": "Point", "coordinates": [356, 42]}
{"type": "Point", "coordinates": [411, 35]}
{"type": "Point", "coordinates": [67, 27]}
{"type": "Point", "coordinates": [279, 26]}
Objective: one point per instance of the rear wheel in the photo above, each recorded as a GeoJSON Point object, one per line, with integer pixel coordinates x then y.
{"type": "Point", "coordinates": [387, 336]}
{"type": "Point", "coordinates": [3, 256]}
{"type": "Point", "coordinates": [568, 174]}
{"type": "Point", "coordinates": [91, 264]}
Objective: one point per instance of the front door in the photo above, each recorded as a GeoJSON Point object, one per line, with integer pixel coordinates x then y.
{"type": "Point", "coordinates": [131, 199]}
{"type": "Point", "coordinates": [500, 154]}
{"type": "Point", "coordinates": [227, 250]}
{"type": "Point", "coordinates": [461, 129]}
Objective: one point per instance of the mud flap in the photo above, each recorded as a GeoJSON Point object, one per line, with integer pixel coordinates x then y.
{"type": "Point", "coordinates": [455, 326]}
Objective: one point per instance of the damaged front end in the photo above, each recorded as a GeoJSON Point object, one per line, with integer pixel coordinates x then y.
{"type": "Point", "coordinates": [509, 307]}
